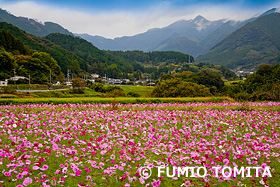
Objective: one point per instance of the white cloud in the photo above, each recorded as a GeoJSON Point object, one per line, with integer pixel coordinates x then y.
{"type": "Point", "coordinates": [121, 23]}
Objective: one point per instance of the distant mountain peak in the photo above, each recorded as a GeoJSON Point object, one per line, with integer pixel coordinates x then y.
{"type": "Point", "coordinates": [199, 18]}
{"type": "Point", "coordinates": [201, 23]}
{"type": "Point", "coordinates": [271, 11]}
{"type": "Point", "coordinates": [255, 43]}
{"type": "Point", "coordinates": [32, 26]}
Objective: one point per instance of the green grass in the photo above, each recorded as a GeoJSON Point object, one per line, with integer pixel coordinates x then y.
{"type": "Point", "coordinates": [90, 92]}
{"type": "Point", "coordinates": [233, 82]}
{"type": "Point", "coordinates": [122, 100]}
{"type": "Point", "coordinates": [37, 86]}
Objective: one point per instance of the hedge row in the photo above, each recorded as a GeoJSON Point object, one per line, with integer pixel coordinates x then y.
{"type": "Point", "coordinates": [122, 100]}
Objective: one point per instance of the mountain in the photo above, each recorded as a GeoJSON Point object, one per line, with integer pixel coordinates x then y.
{"type": "Point", "coordinates": [255, 43]}
{"type": "Point", "coordinates": [271, 11]}
{"type": "Point", "coordinates": [181, 44]}
{"type": "Point", "coordinates": [226, 29]}
{"type": "Point", "coordinates": [165, 39]}
{"type": "Point", "coordinates": [74, 53]}
{"type": "Point", "coordinates": [195, 37]}
{"type": "Point", "coordinates": [33, 54]}
{"type": "Point", "coordinates": [32, 26]}
{"type": "Point", "coordinates": [19, 59]}
{"type": "Point", "coordinates": [154, 58]}
{"type": "Point", "coordinates": [97, 61]}
{"type": "Point", "coordinates": [65, 59]}
{"type": "Point", "coordinates": [158, 63]}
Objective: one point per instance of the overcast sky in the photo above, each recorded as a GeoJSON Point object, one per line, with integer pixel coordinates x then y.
{"type": "Point", "coordinates": [116, 18]}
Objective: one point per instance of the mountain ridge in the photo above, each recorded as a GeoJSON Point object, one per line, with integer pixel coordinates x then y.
{"type": "Point", "coordinates": [195, 30]}
{"type": "Point", "coordinates": [206, 34]}
{"type": "Point", "coordinates": [196, 36]}
{"type": "Point", "coordinates": [32, 26]}
{"type": "Point", "coordinates": [255, 43]}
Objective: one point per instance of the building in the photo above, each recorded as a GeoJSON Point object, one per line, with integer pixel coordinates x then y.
{"type": "Point", "coordinates": [151, 84]}
{"type": "Point", "coordinates": [95, 76]}
{"type": "Point", "coordinates": [4, 83]}
{"type": "Point", "coordinates": [16, 78]}
{"type": "Point", "coordinates": [125, 81]}
{"type": "Point", "coordinates": [90, 80]}
{"type": "Point", "coordinates": [57, 83]}
{"type": "Point", "coordinates": [68, 83]}
{"type": "Point", "coordinates": [117, 81]}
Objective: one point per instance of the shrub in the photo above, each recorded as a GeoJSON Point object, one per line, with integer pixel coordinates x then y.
{"type": "Point", "coordinates": [115, 93]}
{"type": "Point", "coordinates": [111, 88]}
{"type": "Point", "coordinates": [9, 90]}
{"type": "Point", "coordinates": [79, 85]}
{"type": "Point", "coordinates": [8, 96]}
{"type": "Point", "coordinates": [178, 88]}
{"type": "Point", "coordinates": [132, 94]}
{"type": "Point", "coordinates": [98, 87]}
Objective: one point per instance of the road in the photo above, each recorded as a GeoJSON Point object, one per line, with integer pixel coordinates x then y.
{"type": "Point", "coordinates": [40, 90]}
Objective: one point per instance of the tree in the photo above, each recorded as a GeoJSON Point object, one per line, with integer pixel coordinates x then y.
{"type": "Point", "coordinates": [78, 85]}
{"type": "Point", "coordinates": [7, 64]}
{"type": "Point", "coordinates": [209, 79]}
{"type": "Point", "coordinates": [137, 74]}
{"type": "Point", "coordinates": [166, 77]}
{"type": "Point", "coordinates": [175, 87]}
{"type": "Point", "coordinates": [264, 70]}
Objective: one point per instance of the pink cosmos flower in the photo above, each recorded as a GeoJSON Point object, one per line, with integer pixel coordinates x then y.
{"type": "Point", "coordinates": [263, 166]}
{"type": "Point", "coordinates": [155, 183]}
{"type": "Point", "coordinates": [45, 167]}
{"type": "Point", "coordinates": [142, 181]}
{"type": "Point", "coordinates": [226, 161]}
{"type": "Point", "coordinates": [112, 157]}
{"type": "Point", "coordinates": [19, 176]}
{"type": "Point", "coordinates": [27, 181]}
{"type": "Point", "coordinates": [36, 167]}
{"type": "Point", "coordinates": [64, 170]}
{"type": "Point", "coordinates": [57, 172]}
{"type": "Point", "coordinates": [7, 174]}
{"type": "Point", "coordinates": [88, 177]}
{"type": "Point", "coordinates": [78, 173]}
{"type": "Point", "coordinates": [55, 146]}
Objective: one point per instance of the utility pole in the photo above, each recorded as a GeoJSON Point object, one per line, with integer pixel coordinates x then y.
{"type": "Point", "coordinates": [14, 76]}
{"type": "Point", "coordinates": [67, 75]}
{"type": "Point", "coordinates": [29, 80]}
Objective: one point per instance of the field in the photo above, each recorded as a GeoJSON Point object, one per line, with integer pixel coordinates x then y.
{"type": "Point", "coordinates": [131, 144]}
{"type": "Point", "coordinates": [40, 91]}
{"type": "Point", "coordinates": [122, 100]}
{"type": "Point", "coordinates": [141, 90]}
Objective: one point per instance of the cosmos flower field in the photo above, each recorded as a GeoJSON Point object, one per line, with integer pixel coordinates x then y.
{"type": "Point", "coordinates": [108, 145]}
